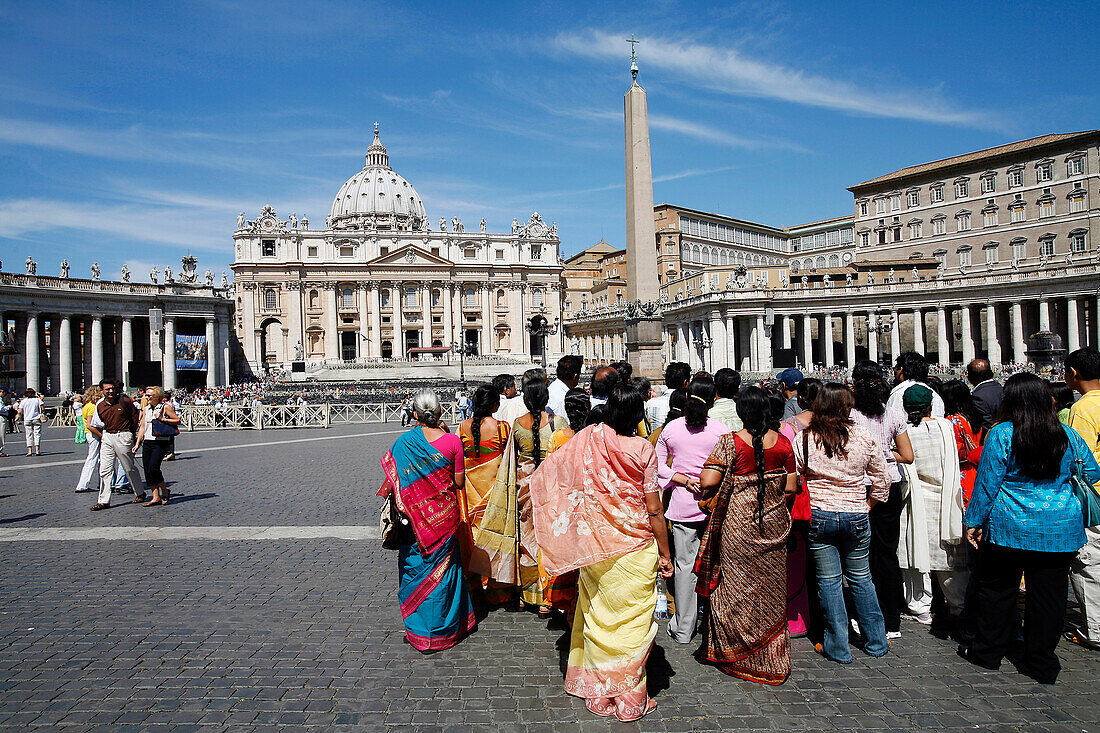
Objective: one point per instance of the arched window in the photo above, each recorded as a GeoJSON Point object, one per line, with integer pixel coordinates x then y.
{"type": "Point", "coordinates": [500, 299]}
{"type": "Point", "coordinates": [314, 299]}
{"type": "Point", "coordinates": [347, 298]}
{"type": "Point", "coordinates": [695, 254]}
{"type": "Point", "coordinates": [270, 300]}
{"type": "Point", "coordinates": [470, 296]}
{"type": "Point", "coordinates": [384, 298]}
{"type": "Point", "coordinates": [435, 299]}
{"type": "Point", "coordinates": [794, 265]}
{"type": "Point", "coordinates": [834, 261]}
{"type": "Point", "coordinates": [537, 299]}
{"type": "Point", "coordinates": [819, 263]}
{"type": "Point", "coordinates": [725, 257]}
{"type": "Point", "coordinates": [714, 257]}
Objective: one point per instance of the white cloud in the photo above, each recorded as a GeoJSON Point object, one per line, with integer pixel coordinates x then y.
{"type": "Point", "coordinates": [730, 71]}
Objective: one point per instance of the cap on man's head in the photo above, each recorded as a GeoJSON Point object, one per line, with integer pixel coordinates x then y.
{"type": "Point", "coordinates": [789, 377]}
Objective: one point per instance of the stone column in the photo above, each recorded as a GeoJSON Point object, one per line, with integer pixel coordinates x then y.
{"type": "Point", "coordinates": [733, 349]}
{"type": "Point", "coordinates": [1073, 327]}
{"type": "Point", "coordinates": [448, 320]}
{"type": "Point", "coordinates": [65, 337]}
{"type": "Point", "coordinates": [375, 295]}
{"type": "Point", "coordinates": [895, 335]}
{"type": "Point", "coordinates": [918, 331]}
{"type": "Point", "coordinates": [250, 342]}
{"type": "Point", "coordinates": [807, 342]}
{"type": "Point", "coordinates": [128, 348]}
{"type": "Point", "coordinates": [872, 336]}
{"type": "Point", "coordinates": [717, 342]}
{"type": "Point", "coordinates": [684, 343]}
{"type": "Point", "coordinates": [332, 337]}
{"type": "Point", "coordinates": [764, 345]}
{"type": "Point", "coordinates": [295, 319]}
{"type": "Point", "coordinates": [992, 344]}
{"type": "Point", "coordinates": [362, 293]}
{"type": "Point", "coordinates": [211, 366]}
{"type": "Point", "coordinates": [169, 351]}
{"type": "Point", "coordinates": [943, 345]}
{"type": "Point", "coordinates": [967, 336]}
{"type": "Point", "coordinates": [53, 355]}
{"type": "Point", "coordinates": [827, 338]}
{"type": "Point", "coordinates": [486, 320]}
{"type": "Point", "coordinates": [33, 353]}
{"type": "Point", "coordinates": [1019, 348]}
{"type": "Point", "coordinates": [224, 328]}
{"type": "Point", "coordinates": [97, 349]}
{"type": "Point", "coordinates": [850, 338]}
{"type": "Point", "coordinates": [426, 314]}
{"type": "Point", "coordinates": [1044, 314]}
{"type": "Point", "coordinates": [785, 325]}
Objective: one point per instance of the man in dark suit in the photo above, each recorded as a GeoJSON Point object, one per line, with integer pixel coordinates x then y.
{"type": "Point", "coordinates": [986, 392]}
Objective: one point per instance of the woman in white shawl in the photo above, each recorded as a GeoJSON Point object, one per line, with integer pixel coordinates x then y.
{"type": "Point", "coordinates": [931, 521]}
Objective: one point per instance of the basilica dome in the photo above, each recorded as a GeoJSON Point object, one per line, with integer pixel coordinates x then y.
{"type": "Point", "coordinates": [377, 197]}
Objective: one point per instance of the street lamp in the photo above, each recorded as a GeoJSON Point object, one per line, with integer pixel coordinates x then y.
{"type": "Point", "coordinates": [460, 348]}
{"type": "Point", "coordinates": [542, 328]}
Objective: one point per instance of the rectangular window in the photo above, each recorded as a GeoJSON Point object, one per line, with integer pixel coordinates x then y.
{"type": "Point", "coordinates": [897, 233]}
{"type": "Point", "coordinates": [1044, 172]}
{"type": "Point", "coordinates": [383, 251]}
{"type": "Point", "coordinates": [267, 247]}
{"type": "Point", "coordinates": [963, 222]}
{"type": "Point", "coordinates": [882, 236]}
{"type": "Point", "coordinates": [913, 199]}
{"type": "Point", "coordinates": [864, 239]}
{"type": "Point", "coordinates": [863, 208]}
{"type": "Point", "coordinates": [1077, 204]}
{"type": "Point", "coordinates": [1019, 250]}
{"type": "Point", "coordinates": [435, 298]}
{"type": "Point", "coordinates": [435, 251]}
{"type": "Point", "coordinates": [536, 251]}
{"type": "Point", "coordinates": [1046, 208]}
{"type": "Point", "coordinates": [385, 298]}
{"type": "Point", "coordinates": [470, 254]}
{"type": "Point", "coordinates": [1077, 242]}
{"type": "Point", "coordinates": [962, 189]}
{"type": "Point", "coordinates": [935, 194]}
{"type": "Point", "coordinates": [311, 250]}
{"type": "Point", "coordinates": [989, 184]}
{"type": "Point", "coordinates": [991, 256]}
{"type": "Point", "coordinates": [1075, 167]}
{"type": "Point", "coordinates": [895, 202]}
{"type": "Point", "coordinates": [914, 229]}
{"type": "Point", "coordinates": [410, 300]}
{"type": "Point", "coordinates": [880, 206]}
{"type": "Point", "coordinates": [834, 237]}
{"type": "Point", "coordinates": [964, 258]}
{"type": "Point", "coordinates": [1046, 248]}
{"type": "Point", "coordinates": [989, 219]}
{"type": "Point", "coordinates": [939, 226]}
{"type": "Point", "coordinates": [1019, 214]}
{"type": "Point", "coordinates": [347, 251]}
{"type": "Point", "coordinates": [1015, 178]}
{"type": "Point", "coordinates": [500, 254]}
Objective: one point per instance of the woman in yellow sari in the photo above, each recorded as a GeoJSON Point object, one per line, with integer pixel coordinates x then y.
{"type": "Point", "coordinates": [597, 508]}
{"type": "Point", "coordinates": [487, 447]}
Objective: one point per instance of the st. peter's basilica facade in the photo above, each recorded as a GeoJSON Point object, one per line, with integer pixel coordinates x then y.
{"type": "Point", "coordinates": [380, 283]}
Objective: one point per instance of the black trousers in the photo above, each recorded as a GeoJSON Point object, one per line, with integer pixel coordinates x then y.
{"type": "Point", "coordinates": [152, 453]}
{"type": "Point", "coordinates": [999, 570]}
{"type": "Point", "coordinates": [885, 571]}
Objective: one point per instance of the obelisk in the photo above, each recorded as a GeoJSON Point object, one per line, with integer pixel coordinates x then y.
{"type": "Point", "coordinates": [643, 321]}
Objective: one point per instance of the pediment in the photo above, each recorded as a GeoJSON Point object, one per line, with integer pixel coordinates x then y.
{"type": "Point", "coordinates": [410, 256]}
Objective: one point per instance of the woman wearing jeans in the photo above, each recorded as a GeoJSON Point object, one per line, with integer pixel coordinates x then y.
{"type": "Point", "coordinates": [155, 447]}
{"type": "Point", "coordinates": [836, 456]}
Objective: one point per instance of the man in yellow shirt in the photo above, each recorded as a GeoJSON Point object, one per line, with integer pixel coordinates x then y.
{"type": "Point", "coordinates": [1083, 375]}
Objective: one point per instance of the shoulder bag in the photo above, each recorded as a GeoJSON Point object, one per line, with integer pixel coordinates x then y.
{"type": "Point", "coordinates": [389, 524]}
{"type": "Point", "coordinates": [706, 506]}
{"type": "Point", "coordinates": [800, 509]}
{"type": "Point", "coordinates": [1090, 500]}
{"type": "Point", "coordinates": [162, 429]}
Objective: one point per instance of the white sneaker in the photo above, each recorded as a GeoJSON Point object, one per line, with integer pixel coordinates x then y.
{"type": "Point", "coordinates": [921, 618]}
{"type": "Point", "coordinates": [893, 634]}
{"type": "Point", "coordinates": [854, 626]}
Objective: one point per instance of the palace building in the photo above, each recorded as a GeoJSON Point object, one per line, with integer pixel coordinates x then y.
{"type": "Point", "coordinates": [380, 283]}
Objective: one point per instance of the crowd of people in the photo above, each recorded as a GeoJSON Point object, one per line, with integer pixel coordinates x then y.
{"type": "Point", "coordinates": [792, 507]}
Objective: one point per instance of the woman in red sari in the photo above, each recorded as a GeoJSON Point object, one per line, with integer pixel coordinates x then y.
{"type": "Point", "coordinates": [742, 564]}
{"type": "Point", "coordinates": [959, 408]}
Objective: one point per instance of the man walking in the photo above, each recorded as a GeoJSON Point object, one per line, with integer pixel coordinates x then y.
{"type": "Point", "coordinates": [116, 422]}
{"type": "Point", "coordinates": [1083, 375]}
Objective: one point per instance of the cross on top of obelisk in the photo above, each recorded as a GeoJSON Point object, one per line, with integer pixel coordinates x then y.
{"type": "Point", "coordinates": [633, 57]}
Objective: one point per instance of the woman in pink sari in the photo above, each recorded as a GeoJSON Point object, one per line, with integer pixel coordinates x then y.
{"type": "Point", "coordinates": [597, 508]}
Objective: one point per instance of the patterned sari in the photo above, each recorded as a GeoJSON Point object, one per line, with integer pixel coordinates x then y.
{"type": "Point", "coordinates": [434, 602]}
{"type": "Point", "coordinates": [533, 578]}
{"type": "Point", "coordinates": [742, 567]}
{"type": "Point", "coordinates": [490, 477]}
{"type": "Point", "coordinates": [589, 512]}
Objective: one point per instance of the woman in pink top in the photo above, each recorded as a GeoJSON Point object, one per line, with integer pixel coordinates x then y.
{"type": "Point", "coordinates": [682, 448]}
{"type": "Point", "coordinates": [837, 457]}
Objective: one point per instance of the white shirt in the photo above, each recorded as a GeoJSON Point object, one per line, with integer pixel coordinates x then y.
{"type": "Point", "coordinates": [657, 409]}
{"type": "Point", "coordinates": [510, 409]}
{"type": "Point", "coordinates": [557, 391]}
{"type": "Point", "coordinates": [898, 393]}
{"type": "Point", "coordinates": [31, 407]}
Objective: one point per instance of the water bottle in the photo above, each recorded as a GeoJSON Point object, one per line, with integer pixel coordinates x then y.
{"type": "Point", "coordinates": [661, 612]}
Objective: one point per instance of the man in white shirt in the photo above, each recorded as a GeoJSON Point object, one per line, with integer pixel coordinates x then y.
{"type": "Point", "coordinates": [603, 381]}
{"type": "Point", "coordinates": [677, 376]}
{"type": "Point", "coordinates": [511, 404]}
{"type": "Point", "coordinates": [909, 369]}
{"type": "Point", "coordinates": [568, 375]}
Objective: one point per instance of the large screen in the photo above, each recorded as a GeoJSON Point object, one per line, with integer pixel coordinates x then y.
{"type": "Point", "coordinates": [190, 352]}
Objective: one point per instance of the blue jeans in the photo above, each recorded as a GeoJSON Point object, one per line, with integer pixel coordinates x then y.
{"type": "Point", "coordinates": [840, 542]}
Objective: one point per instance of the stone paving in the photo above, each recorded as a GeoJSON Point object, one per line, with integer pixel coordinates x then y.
{"type": "Point", "coordinates": [286, 634]}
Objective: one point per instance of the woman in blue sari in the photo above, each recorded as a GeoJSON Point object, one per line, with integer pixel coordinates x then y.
{"type": "Point", "coordinates": [424, 469]}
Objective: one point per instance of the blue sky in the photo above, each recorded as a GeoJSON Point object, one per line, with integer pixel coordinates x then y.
{"type": "Point", "coordinates": [134, 132]}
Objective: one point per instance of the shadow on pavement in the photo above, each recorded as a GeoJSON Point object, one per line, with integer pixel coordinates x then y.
{"type": "Point", "coordinates": [23, 518]}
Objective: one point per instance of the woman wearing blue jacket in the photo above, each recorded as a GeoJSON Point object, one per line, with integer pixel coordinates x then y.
{"type": "Point", "coordinates": [1025, 519]}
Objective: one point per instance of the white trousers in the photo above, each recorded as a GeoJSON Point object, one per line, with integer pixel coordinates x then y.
{"type": "Point", "coordinates": [89, 474]}
{"type": "Point", "coordinates": [1084, 576]}
{"type": "Point", "coordinates": [116, 447]}
{"type": "Point", "coordinates": [34, 433]}
{"type": "Point", "coordinates": [918, 589]}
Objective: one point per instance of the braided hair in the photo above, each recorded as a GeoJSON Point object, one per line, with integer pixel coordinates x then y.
{"type": "Point", "coordinates": [535, 398]}
{"type": "Point", "coordinates": [485, 402]}
{"type": "Point", "coordinates": [577, 406]}
{"type": "Point", "coordinates": [754, 409]}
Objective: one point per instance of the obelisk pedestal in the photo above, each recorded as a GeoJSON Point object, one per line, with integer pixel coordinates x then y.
{"type": "Point", "coordinates": [644, 338]}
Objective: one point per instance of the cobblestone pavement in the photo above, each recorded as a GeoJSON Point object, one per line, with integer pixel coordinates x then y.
{"type": "Point", "coordinates": [305, 633]}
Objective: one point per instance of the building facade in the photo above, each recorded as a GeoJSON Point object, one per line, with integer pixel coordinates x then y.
{"type": "Point", "coordinates": [957, 258]}
{"type": "Point", "coordinates": [63, 334]}
{"type": "Point", "coordinates": [380, 283]}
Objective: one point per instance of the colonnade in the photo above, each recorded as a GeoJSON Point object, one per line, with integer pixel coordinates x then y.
{"type": "Point", "coordinates": [63, 351]}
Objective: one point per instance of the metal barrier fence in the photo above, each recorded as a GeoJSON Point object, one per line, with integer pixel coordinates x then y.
{"type": "Point", "coordinates": [321, 415]}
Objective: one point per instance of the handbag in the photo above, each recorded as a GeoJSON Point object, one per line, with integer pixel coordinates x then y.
{"type": "Point", "coordinates": [162, 429]}
{"type": "Point", "coordinates": [1090, 500]}
{"type": "Point", "coordinates": [707, 505]}
{"type": "Point", "coordinates": [389, 524]}
{"type": "Point", "coordinates": [800, 507]}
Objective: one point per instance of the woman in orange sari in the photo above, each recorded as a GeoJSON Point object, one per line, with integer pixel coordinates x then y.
{"type": "Point", "coordinates": [597, 509]}
{"type": "Point", "coordinates": [561, 590]}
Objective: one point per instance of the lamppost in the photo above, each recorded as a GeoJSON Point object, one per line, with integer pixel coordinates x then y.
{"type": "Point", "coordinates": [460, 348]}
{"type": "Point", "coordinates": [542, 328]}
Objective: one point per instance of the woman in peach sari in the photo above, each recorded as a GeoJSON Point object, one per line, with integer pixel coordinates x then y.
{"type": "Point", "coordinates": [597, 508]}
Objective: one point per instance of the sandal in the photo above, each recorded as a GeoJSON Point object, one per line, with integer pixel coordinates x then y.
{"type": "Point", "coordinates": [1075, 637]}
{"type": "Point", "coordinates": [100, 507]}
{"type": "Point", "coordinates": [155, 502]}
{"type": "Point", "coordinates": [139, 499]}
